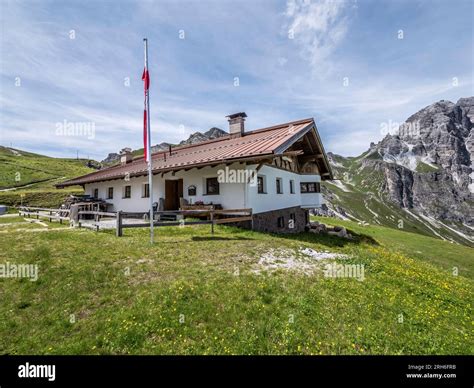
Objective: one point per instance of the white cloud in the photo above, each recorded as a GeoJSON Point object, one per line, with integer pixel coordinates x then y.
{"type": "Point", "coordinates": [318, 28]}
{"type": "Point", "coordinates": [192, 88]}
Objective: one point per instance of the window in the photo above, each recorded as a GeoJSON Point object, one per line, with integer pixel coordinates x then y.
{"type": "Point", "coordinates": [145, 190]}
{"type": "Point", "coordinates": [261, 184]}
{"type": "Point", "coordinates": [279, 186]}
{"type": "Point", "coordinates": [292, 186]}
{"type": "Point", "coordinates": [310, 187]}
{"type": "Point", "coordinates": [110, 193]}
{"type": "Point", "coordinates": [281, 222]}
{"type": "Point", "coordinates": [127, 192]}
{"type": "Point", "coordinates": [212, 186]}
{"type": "Point", "coordinates": [96, 193]}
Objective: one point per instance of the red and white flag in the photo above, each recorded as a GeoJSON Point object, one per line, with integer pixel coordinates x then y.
{"type": "Point", "coordinates": [146, 84]}
{"type": "Point", "coordinates": [147, 137]}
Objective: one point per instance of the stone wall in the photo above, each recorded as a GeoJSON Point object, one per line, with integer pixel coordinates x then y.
{"type": "Point", "coordinates": [294, 220]}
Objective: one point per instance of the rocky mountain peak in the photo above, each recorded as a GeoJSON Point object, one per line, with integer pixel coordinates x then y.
{"type": "Point", "coordinates": [424, 167]}
{"type": "Point", "coordinates": [439, 135]}
{"type": "Point", "coordinates": [214, 133]}
{"type": "Point", "coordinates": [198, 137]}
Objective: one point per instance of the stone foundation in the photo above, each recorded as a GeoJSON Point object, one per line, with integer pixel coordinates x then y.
{"type": "Point", "coordinates": [289, 220]}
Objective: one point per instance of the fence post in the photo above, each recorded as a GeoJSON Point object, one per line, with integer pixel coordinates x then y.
{"type": "Point", "coordinates": [118, 227]}
{"type": "Point", "coordinates": [50, 219]}
{"type": "Point", "coordinates": [212, 221]}
{"type": "Point", "coordinates": [251, 221]}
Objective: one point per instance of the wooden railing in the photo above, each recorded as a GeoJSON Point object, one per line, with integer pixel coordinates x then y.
{"type": "Point", "coordinates": [239, 215]}
{"type": "Point", "coordinates": [97, 216]}
{"type": "Point", "coordinates": [51, 214]}
{"type": "Point", "coordinates": [214, 217]}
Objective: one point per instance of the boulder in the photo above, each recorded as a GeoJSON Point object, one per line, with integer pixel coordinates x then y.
{"type": "Point", "coordinates": [317, 227]}
{"type": "Point", "coordinates": [342, 232]}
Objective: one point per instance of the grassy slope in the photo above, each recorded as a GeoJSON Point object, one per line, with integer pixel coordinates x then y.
{"type": "Point", "coordinates": [128, 297]}
{"type": "Point", "coordinates": [442, 253]}
{"type": "Point", "coordinates": [37, 176]}
{"type": "Point", "coordinates": [39, 169]}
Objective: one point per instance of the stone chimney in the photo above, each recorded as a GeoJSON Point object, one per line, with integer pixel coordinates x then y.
{"type": "Point", "coordinates": [237, 124]}
{"type": "Point", "coordinates": [126, 155]}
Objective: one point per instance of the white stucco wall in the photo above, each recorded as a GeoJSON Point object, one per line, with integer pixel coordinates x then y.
{"type": "Point", "coordinates": [273, 201]}
{"type": "Point", "coordinates": [134, 204]}
{"type": "Point", "coordinates": [231, 195]}
{"type": "Point", "coordinates": [311, 200]}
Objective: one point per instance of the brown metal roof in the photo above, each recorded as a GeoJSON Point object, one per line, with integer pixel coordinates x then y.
{"type": "Point", "coordinates": [252, 144]}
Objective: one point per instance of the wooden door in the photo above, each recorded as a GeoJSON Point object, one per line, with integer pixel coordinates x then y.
{"type": "Point", "coordinates": [173, 191]}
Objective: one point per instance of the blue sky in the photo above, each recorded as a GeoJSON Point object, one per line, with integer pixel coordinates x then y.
{"type": "Point", "coordinates": [341, 62]}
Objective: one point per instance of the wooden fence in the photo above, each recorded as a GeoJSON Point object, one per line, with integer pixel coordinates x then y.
{"type": "Point", "coordinates": [97, 216]}
{"type": "Point", "coordinates": [51, 214]}
{"type": "Point", "coordinates": [214, 217]}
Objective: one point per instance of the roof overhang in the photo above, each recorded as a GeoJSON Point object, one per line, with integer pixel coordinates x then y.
{"type": "Point", "coordinates": [313, 130]}
{"type": "Point", "coordinates": [78, 182]}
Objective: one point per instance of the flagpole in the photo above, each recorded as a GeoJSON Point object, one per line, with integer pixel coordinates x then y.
{"type": "Point", "coordinates": [148, 148]}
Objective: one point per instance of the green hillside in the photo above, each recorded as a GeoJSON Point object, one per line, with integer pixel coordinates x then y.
{"type": "Point", "coordinates": [20, 168]}
{"type": "Point", "coordinates": [30, 178]}
{"type": "Point", "coordinates": [191, 293]}
{"type": "Point", "coordinates": [416, 245]}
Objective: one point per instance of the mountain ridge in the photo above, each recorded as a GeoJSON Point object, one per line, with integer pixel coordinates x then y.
{"type": "Point", "coordinates": [419, 177]}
